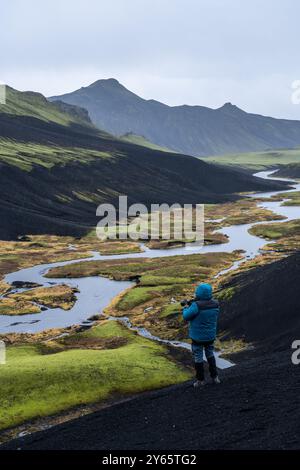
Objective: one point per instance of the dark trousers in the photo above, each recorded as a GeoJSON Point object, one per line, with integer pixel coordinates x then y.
{"type": "Point", "coordinates": [197, 350]}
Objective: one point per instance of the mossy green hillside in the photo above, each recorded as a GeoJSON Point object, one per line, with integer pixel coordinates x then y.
{"type": "Point", "coordinates": [258, 161]}
{"type": "Point", "coordinates": [27, 155]}
{"type": "Point", "coordinates": [36, 105]}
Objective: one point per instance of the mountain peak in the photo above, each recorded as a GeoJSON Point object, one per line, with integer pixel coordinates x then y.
{"type": "Point", "coordinates": [194, 130]}
{"type": "Point", "coordinates": [230, 107]}
{"type": "Point", "coordinates": [107, 82]}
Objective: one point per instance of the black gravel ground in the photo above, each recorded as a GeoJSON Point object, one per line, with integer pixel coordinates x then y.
{"type": "Point", "coordinates": [256, 407]}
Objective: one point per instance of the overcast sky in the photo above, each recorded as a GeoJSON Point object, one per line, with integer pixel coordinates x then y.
{"type": "Point", "coordinates": [203, 52]}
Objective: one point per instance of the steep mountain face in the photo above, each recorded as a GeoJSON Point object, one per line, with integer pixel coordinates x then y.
{"type": "Point", "coordinates": [193, 130]}
{"type": "Point", "coordinates": [28, 115]}
{"type": "Point", "coordinates": [56, 167]}
{"type": "Point", "coordinates": [32, 104]}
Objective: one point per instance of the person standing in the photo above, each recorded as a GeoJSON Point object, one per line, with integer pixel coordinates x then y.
{"type": "Point", "coordinates": [202, 315]}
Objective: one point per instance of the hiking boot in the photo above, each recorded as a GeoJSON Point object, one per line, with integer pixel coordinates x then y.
{"type": "Point", "coordinates": [199, 383]}
{"type": "Point", "coordinates": [216, 380]}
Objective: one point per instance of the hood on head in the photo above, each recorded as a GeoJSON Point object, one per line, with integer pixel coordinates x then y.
{"type": "Point", "coordinates": [203, 292]}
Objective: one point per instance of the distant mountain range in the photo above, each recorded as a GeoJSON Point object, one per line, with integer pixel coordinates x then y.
{"type": "Point", "coordinates": [56, 167]}
{"type": "Point", "coordinates": [193, 130]}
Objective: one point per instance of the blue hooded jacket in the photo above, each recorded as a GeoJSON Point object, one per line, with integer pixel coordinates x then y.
{"type": "Point", "coordinates": [202, 315]}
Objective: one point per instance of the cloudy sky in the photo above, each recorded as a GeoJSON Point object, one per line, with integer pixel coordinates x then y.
{"type": "Point", "coordinates": [205, 52]}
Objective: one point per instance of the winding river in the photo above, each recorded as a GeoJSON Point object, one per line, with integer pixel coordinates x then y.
{"type": "Point", "coordinates": [95, 293]}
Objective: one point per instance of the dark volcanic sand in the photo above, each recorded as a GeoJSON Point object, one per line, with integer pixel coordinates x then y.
{"type": "Point", "coordinates": [265, 308]}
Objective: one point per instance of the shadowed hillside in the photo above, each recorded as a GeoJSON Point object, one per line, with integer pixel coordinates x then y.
{"type": "Point", "coordinates": [56, 167]}
{"type": "Point", "coordinates": [263, 307]}
{"type": "Point", "coordinates": [289, 171]}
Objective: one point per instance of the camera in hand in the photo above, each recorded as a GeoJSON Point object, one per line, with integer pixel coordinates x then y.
{"type": "Point", "coordinates": [186, 302]}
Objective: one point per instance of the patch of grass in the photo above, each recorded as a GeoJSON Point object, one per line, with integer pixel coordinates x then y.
{"type": "Point", "coordinates": [170, 310]}
{"type": "Point", "coordinates": [4, 287]}
{"type": "Point", "coordinates": [293, 198]}
{"type": "Point", "coordinates": [62, 296]}
{"type": "Point", "coordinates": [36, 105]}
{"type": "Point", "coordinates": [140, 295]}
{"type": "Point", "coordinates": [11, 306]}
{"type": "Point", "coordinates": [276, 231]}
{"type": "Point", "coordinates": [34, 384]}
{"type": "Point", "coordinates": [243, 211]}
{"type": "Point", "coordinates": [258, 161]}
{"type": "Point", "coordinates": [226, 294]}
{"type": "Point", "coordinates": [26, 155]}
{"type": "Point", "coordinates": [25, 302]}
{"type": "Point", "coordinates": [140, 140]}
{"type": "Point", "coordinates": [231, 346]}
{"type": "Point", "coordinates": [149, 280]}
{"type": "Point", "coordinates": [286, 236]}
{"type": "Point", "coordinates": [117, 247]}
{"type": "Point", "coordinates": [283, 246]}
{"type": "Point", "coordinates": [193, 267]}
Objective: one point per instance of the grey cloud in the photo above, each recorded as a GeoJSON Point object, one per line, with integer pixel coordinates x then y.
{"type": "Point", "coordinates": [193, 51]}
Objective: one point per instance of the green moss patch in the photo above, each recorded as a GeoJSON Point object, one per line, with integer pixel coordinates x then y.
{"type": "Point", "coordinates": [276, 231]}
{"type": "Point", "coordinates": [170, 310]}
{"type": "Point", "coordinates": [226, 294]}
{"type": "Point", "coordinates": [140, 295]}
{"type": "Point", "coordinates": [34, 384]}
{"type": "Point", "coordinates": [148, 280]}
{"type": "Point", "coordinates": [258, 160]}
